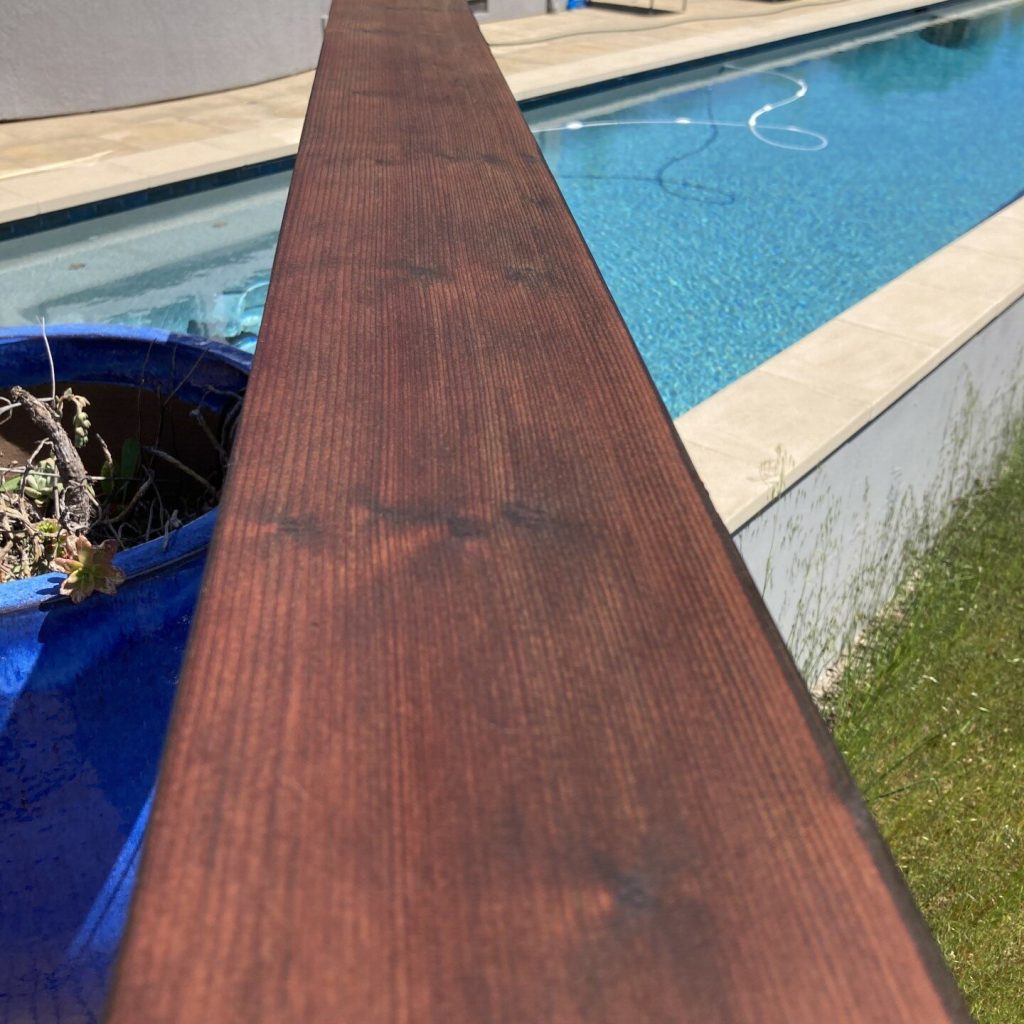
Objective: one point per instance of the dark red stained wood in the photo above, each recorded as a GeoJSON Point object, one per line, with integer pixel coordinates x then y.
{"type": "Point", "coordinates": [482, 720]}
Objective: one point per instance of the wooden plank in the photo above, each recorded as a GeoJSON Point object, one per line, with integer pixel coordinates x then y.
{"type": "Point", "coordinates": [482, 719]}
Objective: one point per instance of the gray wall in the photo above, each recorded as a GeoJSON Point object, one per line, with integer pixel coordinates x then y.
{"type": "Point", "coordinates": [499, 10]}
{"type": "Point", "coordinates": [69, 56]}
{"type": "Point", "coordinates": [829, 552]}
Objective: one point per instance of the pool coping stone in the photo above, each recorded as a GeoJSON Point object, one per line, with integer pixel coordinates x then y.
{"type": "Point", "coordinates": [763, 432]}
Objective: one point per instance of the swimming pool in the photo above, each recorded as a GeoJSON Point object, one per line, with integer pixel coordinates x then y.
{"type": "Point", "coordinates": [196, 263]}
{"type": "Point", "coordinates": [721, 242]}
{"type": "Point", "coordinates": [724, 241]}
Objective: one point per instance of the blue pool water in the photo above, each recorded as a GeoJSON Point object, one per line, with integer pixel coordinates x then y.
{"type": "Point", "coordinates": [196, 264]}
{"type": "Point", "coordinates": [722, 249]}
{"type": "Point", "coordinates": [720, 245]}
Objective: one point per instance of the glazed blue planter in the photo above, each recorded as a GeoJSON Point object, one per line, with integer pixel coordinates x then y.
{"type": "Point", "coordinates": [85, 696]}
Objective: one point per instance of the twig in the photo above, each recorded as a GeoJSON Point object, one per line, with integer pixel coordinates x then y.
{"type": "Point", "coordinates": [156, 504]}
{"type": "Point", "coordinates": [38, 450]}
{"type": "Point", "coordinates": [197, 415]}
{"type": "Point", "coordinates": [171, 460]}
{"type": "Point", "coordinates": [19, 515]}
{"type": "Point", "coordinates": [231, 420]}
{"type": "Point", "coordinates": [78, 497]}
{"type": "Point", "coordinates": [144, 486]}
{"type": "Point", "coordinates": [107, 457]}
{"type": "Point", "coordinates": [185, 379]}
{"type": "Point", "coordinates": [173, 523]}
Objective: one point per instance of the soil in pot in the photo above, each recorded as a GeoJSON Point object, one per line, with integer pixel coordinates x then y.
{"type": "Point", "coordinates": [151, 464]}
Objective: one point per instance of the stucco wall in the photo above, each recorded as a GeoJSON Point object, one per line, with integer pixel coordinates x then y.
{"type": "Point", "coordinates": [69, 56]}
{"type": "Point", "coordinates": [499, 10]}
{"type": "Point", "coordinates": [828, 553]}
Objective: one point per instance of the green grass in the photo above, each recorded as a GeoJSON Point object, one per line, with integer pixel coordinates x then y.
{"type": "Point", "coordinates": [929, 714]}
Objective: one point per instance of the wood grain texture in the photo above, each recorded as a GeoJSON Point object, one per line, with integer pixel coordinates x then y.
{"type": "Point", "coordinates": [482, 719]}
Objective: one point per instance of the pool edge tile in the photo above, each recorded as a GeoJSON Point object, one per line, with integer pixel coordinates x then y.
{"type": "Point", "coordinates": [15, 207]}
{"type": "Point", "coordinates": [956, 279]}
{"type": "Point", "coordinates": [734, 495]}
{"type": "Point", "coordinates": [931, 315]}
{"type": "Point", "coordinates": [776, 427]}
{"type": "Point", "coordinates": [1000, 235]}
{"type": "Point", "coordinates": [848, 360]}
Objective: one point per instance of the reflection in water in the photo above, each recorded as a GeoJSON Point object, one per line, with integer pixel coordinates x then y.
{"type": "Point", "coordinates": [955, 35]}
{"type": "Point", "coordinates": [896, 65]}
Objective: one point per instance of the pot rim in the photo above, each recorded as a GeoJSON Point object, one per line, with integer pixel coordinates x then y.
{"type": "Point", "coordinates": [180, 545]}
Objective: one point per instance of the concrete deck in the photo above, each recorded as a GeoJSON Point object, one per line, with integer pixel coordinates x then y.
{"type": "Point", "coordinates": [600, 44]}
{"type": "Point", "coordinates": [749, 441]}
{"type": "Point", "coordinates": [58, 162]}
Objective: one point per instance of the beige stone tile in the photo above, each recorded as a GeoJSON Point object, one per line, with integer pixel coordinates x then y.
{"type": "Point", "coordinates": [275, 87]}
{"type": "Point", "coordinates": [72, 186]}
{"type": "Point", "coordinates": [1000, 235]}
{"type": "Point", "coordinates": [155, 134]}
{"type": "Point", "coordinates": [15, 207]}
{"type": "Point", "coordinates": [173, 163]}
{"type": "Point", "coordinates": [959, 268]}
{"type": "Point", "coordinates": [723, 36]}
{"type": "Point", "coordinates": [268, 126]}
{"type": "Point", "coordinates": [736, 491]}
{"type": "Point", "coordinates": [17, 133]}
{"type": "Point", "coordinates": [1015, 211]}
{"type": "Point", "coordinates": [276, 139]}
{"type": "Point", "coordinates": [261, 91]}
{"type": "Point", "coordinates": [761, 434]}
{"type": "Point", "coordinates": [231, 117]}
{"type": "Point", "coordinates": [763, 419]}
{"type": "Point", "coordinates": [208, 101]}
{"type": "Point", "coordinates": [288, 107]}
{"type": "Point", "coordinates": [13, 158]}
{"type": "Point", "coordinates": [932, 315]}
{"type": "Point", "coordinates": [300, 82]}
{"type": "Point", "coordinates": [17, 174]}
{"type": "Point", "coordinates": [568, 50]}
{"type": "Point", "coordinates": [512, 66]}
{"type": "Point", "coordinates": [850, 361]}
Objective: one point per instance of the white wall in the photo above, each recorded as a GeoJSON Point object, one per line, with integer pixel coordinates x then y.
{"type": "Point", "coordinates": [499, 10]}
{"type": "Point", "coordinates": [828, 553]}
{"type": "Point", "coordinates": [69, 56]}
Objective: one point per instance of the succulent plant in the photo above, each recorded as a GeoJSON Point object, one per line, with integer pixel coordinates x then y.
{"type": "Point", "coordinates": [90, 568]}
{"type": "Point", "coordinates": [81, 424]}
{"type": "Point", "coordinates": [42, 481]}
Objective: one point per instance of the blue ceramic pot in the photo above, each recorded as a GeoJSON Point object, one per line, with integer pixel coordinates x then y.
{"type": "Point", "coordinates": [85, 696]}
